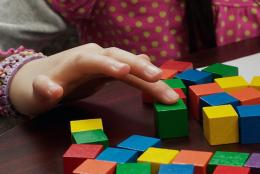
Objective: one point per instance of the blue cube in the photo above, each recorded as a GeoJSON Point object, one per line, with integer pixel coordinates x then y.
{"type": "Point", "coordinates": [195, 77]}
{"type": "Point", "coordinates": [176, 169]}
{"type": "Point", "coordinates": [139, 143]}
{"type": "Point", "coordinates": [118, 155]}
{"type": "Point", "coordinates": [222, 98]}
{"type": "Point", "coordinates": [249, 124]}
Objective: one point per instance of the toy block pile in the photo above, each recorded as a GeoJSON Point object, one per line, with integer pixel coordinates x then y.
{"type": "Point", "coordinates": [224, 103]}
{"type": "Point", "coordinates": [144, 155]}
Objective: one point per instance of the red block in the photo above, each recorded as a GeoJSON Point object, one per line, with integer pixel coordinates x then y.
{"type": "Point", "coordinates": [231, 170]}
{"type": "Point", "coordinates": [181, 94]}
{"type": "Point", "coordinates": [179, 66]}
{"type": "Point", "coordinates": [77, 153]}
{"type": "Point", "coordinates": [197, 91]}
{"type": "Point", "coordinates": [247, 96]}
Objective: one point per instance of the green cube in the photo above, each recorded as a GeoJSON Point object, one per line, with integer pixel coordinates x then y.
{"type": "Point", "coordinates": [90, 137]}
{"type": "Point", "coordinates": [171, 120]}
{"type": "Point", "coordinates": [227, 159]}
{"type": "Point", "coordinates": [176, 83]}
{"type": "Point", "coordinates": [133, 168]}
{"type": "Point", "coordinates": [220, 70]}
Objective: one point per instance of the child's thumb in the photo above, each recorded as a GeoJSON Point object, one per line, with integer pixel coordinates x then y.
{"type": "Point", "coordinates": [46, 89]}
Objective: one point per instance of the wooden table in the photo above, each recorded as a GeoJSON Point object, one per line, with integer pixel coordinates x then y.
{"type": "Point", "coordinates": [37, 146]}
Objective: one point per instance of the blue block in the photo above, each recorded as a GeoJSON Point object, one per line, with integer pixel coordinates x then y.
{"type": "Point", "coordinates": [249, 124]}
{"type": "Point", "coordinates": [118, 155]}
{"type": "Point", "coordinates": [176, 169]}
{"type": "Point", "coordinates": [139, 143]}
{"type": "Point", "coordinates": [195, 77]}
{"type": "Point", "coordinates": [222, 98]}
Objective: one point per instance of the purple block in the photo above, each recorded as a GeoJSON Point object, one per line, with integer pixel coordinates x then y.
{"type": "Point", "coordinates": [254, 163]}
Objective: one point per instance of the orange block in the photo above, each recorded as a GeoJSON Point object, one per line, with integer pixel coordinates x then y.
{"type": "Point", "coordinates": [181, 94]}
{"type": "Point", "coordinates": [247, 96]}
{"type": "Point", "coordinates": [199, 159]}
{"type": "Point", "coordinates": [197, 91]}
{"type": "Point", "coordinates": [168, 74]}
{"type": "Point", "coordinates": [91, 166]}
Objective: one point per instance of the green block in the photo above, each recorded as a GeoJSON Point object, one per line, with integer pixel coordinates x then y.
{"type": "Point", "coordinates": [220, 70]}
{"type": "Point", "coordinates": [176, 83]}
{"type": "Point", "coordinates": [171, 120]}
{"type": "Point", "coordinates": [227, 159]}
{"type": "Point", "coordinates": [90, 137]}
{"type": "Point", "coordinates": [133, 168]}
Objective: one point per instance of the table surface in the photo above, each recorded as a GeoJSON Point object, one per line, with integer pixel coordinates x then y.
{"type": "Point", "coordinates": [38, 145]}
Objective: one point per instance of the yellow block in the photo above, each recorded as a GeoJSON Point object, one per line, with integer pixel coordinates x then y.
{"type": "Point", "coordinates": [220, 124]}
{"type": "Point", "coordinates": [255, 83]}
{"type": "Point", "coordinates": [232, 83]}
{"type": "Point", "coordinates": [157, 156]}
{"type": "Point", "coordinates": [86, 125]}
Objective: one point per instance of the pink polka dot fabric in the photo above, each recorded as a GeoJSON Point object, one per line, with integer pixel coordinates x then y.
{"type": "Point", "coordinates": [155, 27]}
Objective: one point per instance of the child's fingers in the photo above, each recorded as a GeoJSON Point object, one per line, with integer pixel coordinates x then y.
{"type": "Point", "coordinates": [139, 67]}
{"type": "Point", "coordinates": [159, 90]}
{"type": "Point", "coordinates": [44, 88]}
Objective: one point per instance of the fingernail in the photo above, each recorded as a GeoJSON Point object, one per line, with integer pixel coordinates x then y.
{"type": "Point", "coordinates": [171, 95]}
{"type": "Point", "coordinates": [52, 87]}
{"type": "Point", "coordinates": [152, 70]}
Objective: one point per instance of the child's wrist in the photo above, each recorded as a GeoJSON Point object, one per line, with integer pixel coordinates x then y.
{"type": "Point", "coordinates": [8, 68]}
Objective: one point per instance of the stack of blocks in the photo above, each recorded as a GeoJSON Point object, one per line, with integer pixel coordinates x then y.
{"type": "Point", "coordinates": [88, 131]}
{"type": "Point", "coordinates": [217, 104]}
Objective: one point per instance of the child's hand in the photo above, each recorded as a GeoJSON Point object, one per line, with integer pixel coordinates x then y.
{"type": "Point", "coordinates": [76, 73]}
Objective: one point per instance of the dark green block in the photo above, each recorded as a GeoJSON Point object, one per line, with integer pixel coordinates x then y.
{"type": "Point", "coordinates": [133, 168]}
{"type": "Point", "coordinates": [220, 70]}
{"type": "Point", "coordinates": [171, 120]}
{"type": "Point", "coordinates": [90, 137]}
{"type": "Point", "coordinates": [176, 83]}
{"type": "Point", "coordinates": [227, 159]}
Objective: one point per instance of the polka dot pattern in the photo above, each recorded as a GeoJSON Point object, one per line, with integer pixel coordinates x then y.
{"type": "Point", "coordinates": [236, 20]}
{"type": "Point", "coordinates": [155, 27]}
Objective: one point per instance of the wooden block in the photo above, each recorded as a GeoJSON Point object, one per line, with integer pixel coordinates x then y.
{"type": "Point", "coordinates": [181, 95]}
{"type": "Point", "coordinates": [180, 66]}
{"type": "Point", "coordinates": [194, 77]}
{"type": "Point", "coordinates": [227, 159]}
{"type": "Point", "coordinates": [78, 153]}
{"type": "Point", "coordinates": [118, 155]}
{"type": "Point", "coordinates": [231, 170]}
{"type": "Point", "coordinates": [255, 83]}
{"type": "Point", "coordinates": [220, 124]}
{"type": "Point", "coordinates": [91, 166]}
{"type": "Point", "coordinates": [230, 84]}
{"type": "Point", "coordinates": [147, 98]}
{"type": "Point", "coordinates": [168, 74]}
{"type": "Point", "coordinates": [247, 96]}
{"type": "Point", "coordinates": [222, 98]}
{"type": "Point", "coordinates": [197, 91]}
{"type": "Point", "coordinates": [171, 120]}
{"type": "Point", "coordinates": [139, 143]}
{"type": "Point", "coordinates": [175, 84]}
{"type": "Point", "coordinates": [249, 124]}
{"type": "Point", "coordinates": [176, 169]}
{"type": "Point", "coordinates": [199, 159]}
{"type": "Point", "coordinates": [133, 168]}
{"type": "Point", "coordinates": [86, 125]}
{"type": "Point", "coordinates": [90, 137]}
{"type": "Point", "coordinates": [157, 156]}
{"type": "Point", "coordinates": [220, 70]}
{"type": "Point", "coordinates": [254, 163]}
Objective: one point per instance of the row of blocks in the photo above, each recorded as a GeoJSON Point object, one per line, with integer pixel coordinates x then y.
{"type": "Point", "coordinates": [172, 120]}
{"type": "Point", "coordinates": [152, 159]}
